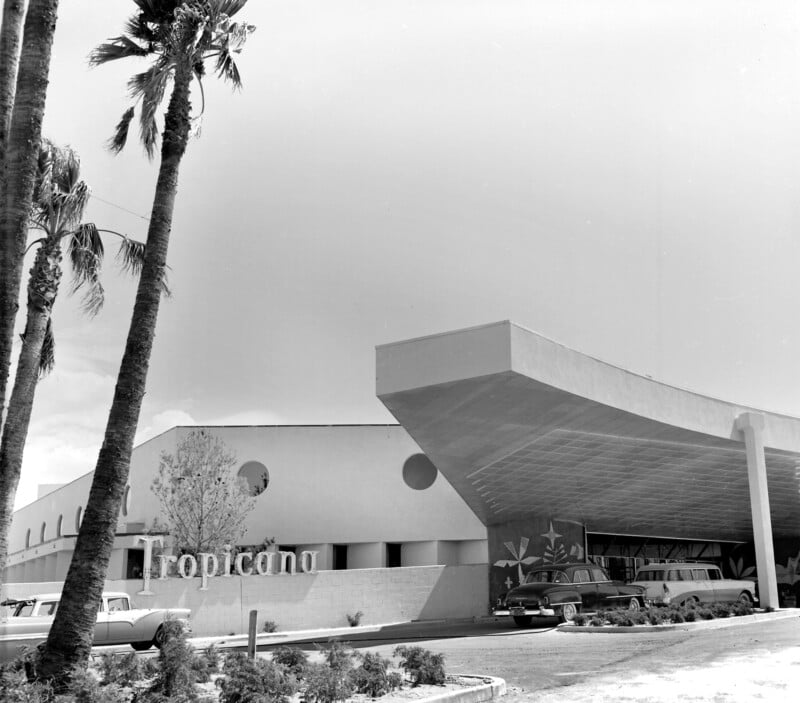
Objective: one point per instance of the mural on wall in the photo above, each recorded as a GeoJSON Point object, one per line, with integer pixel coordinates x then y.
{"type": "Point", "coordinates": [741, 564]}
{"type": "Point", "coordinates": [518, 545]}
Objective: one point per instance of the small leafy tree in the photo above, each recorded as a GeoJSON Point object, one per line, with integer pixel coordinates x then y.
{"type": "Point", "coordinates": [202, 499]}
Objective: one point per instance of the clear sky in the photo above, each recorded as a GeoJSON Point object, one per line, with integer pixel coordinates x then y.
{"type": "Point", "coordinates": [621, 177]}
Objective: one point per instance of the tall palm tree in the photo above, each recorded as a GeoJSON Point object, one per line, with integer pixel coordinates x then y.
{"type": "Point", "coordinates": [18, 166]}
{"type": "Point", "coordinates": [10, 38]}
{"type": "Point", "coordinates": [59, 200]}
{"type": "Point", "coordinates": [180, 37]}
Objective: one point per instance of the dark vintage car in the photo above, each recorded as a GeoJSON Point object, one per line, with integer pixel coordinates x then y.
{"type": "Point", "coordinates": [562, 590]}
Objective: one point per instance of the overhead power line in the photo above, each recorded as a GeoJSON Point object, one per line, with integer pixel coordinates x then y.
{"type": "Point", "coordinates": [119, 207]}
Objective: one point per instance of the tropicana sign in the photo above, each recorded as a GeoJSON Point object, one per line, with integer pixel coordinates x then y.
{"type": "Point", "coordinates": [262, 563]}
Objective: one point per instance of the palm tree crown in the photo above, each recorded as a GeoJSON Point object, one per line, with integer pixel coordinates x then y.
{"type": "Point", "coordinates": [60, 197]}
{"type": "Point", "coordinates": [173, 32]}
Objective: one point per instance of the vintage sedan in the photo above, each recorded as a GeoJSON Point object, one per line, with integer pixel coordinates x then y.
{"type": "Point", "coordinates": [692, 582]}
{"type": "Point", "coordinates": [118, 622]}
{"type": "Point", "coordinates": [563, 590]}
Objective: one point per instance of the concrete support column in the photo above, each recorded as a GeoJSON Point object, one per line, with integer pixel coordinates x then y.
{"type": "Point", "coordinates": [751, 425]}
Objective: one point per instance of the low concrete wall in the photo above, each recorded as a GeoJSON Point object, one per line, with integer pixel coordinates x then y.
{"type": "Point", "coordinates": [309, 601]}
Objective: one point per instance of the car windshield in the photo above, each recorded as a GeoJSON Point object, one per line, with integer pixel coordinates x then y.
{"type": "Point", "coordinates": [547, 576]}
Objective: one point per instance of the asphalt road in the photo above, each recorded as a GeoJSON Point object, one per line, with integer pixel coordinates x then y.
{"type": "Point", "coordinates": [547, 660]}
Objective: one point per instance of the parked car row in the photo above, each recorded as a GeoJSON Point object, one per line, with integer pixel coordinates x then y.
{"type": "Point", "coordinates": [563, 590]}
{"type": "Point", "coordinates": [118, 622]}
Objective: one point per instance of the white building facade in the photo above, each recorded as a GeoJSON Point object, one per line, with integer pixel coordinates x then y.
{"type": "Point", "coordinates": [362, 496]}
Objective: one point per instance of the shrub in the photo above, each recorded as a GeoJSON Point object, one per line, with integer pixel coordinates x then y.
{"type": "Point", "coordinates": [16, 689]}
{"type": "Point", "coordinates": [325, 684]}
{"type": "Point", "coordinates": [373, 677]}
{"type": "Point", "coordinates": [270, 626]}
{"type": "Point", "coordinates": [338, 655]}
{"type": "Point", "coordinates": [293, 659]}
{"type": "Point", "coordinates": [421, 665]}
{"type": "Point", "coordinates": [355, 619]}
{"type": "Point", "coordinates": [721, 610]}
{"type": "Point", "coordinates": [580, 619]}
{"type": "Point", "coordinates": [124, 670]}
{"type": "Point", "coordinates": [597, 620]}
{"type": "Point", "coordinates": [177, 671]}
{"type": "Point", "coordinates": [84, 687]}
{"type": "Point", "coordinates": [254, 681]}
{"type": "Point", "coordinates": [212, 658]}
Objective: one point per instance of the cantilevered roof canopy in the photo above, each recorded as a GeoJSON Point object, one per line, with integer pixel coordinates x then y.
{"type": "Point", "coordinates": [519, 424]}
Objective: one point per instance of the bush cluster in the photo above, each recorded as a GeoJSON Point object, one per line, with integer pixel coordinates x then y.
{"type": "Point", "coordinates": [421, 665]}
{"type": "Point", "coordinates": [664, 614]}
{"type": "Point", "coordinates": [172, 677]}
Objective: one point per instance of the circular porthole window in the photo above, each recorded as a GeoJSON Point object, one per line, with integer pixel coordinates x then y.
{"type": "Point", "coordinates": [256, 475]}
{"type": "Point", "coordinates": [419, 472]}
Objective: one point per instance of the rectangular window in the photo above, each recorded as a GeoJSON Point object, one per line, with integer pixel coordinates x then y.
{"type": "Point", "coordinates": [581, 576]}
{"type": "Point", "coordinates": [714, 574]}
{"type": "Point", "coordinates": [115, 604]}
{"type": "Point", "coordinates": [339, 556]}
{"type": "Point", "coordinates": [393, 555]}
{"type": "Point", "coordinates": [699, 574]}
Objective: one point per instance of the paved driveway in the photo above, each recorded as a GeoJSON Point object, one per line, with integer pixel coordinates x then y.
{"type": "Point", "coordinates": [739, 662]}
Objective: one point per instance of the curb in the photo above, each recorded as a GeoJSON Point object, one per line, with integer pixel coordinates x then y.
{"type": "Point", "coordinates": [493, 687]}
{"type": "Point", "coordinates": [715, 624]}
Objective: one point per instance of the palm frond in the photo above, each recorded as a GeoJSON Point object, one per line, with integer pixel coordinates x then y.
{"type": "Point", "coordinates": [166, 291]}
{"type": "Point", "coordinates": [131, 259]}
{"type": "Point", "coordinates": [230, 7]}
{"type": "Point", "coordinates": [85, 239]}
{"type": "Point", "coordinates": [120, 47]}
{"type": "Point", "coordinates": [117, 142]}
{"type": "Point", "coordinates": [140, 28]}
{"type": "Point", "coordinates": [131, 256]}
{"type": "Point", "coordinates": [47, 357]}
{"type": "Point", "coordinates": [71, 205]}
{"type": "Point", "coordinates": [44, 175]}
{"type": "Point", "coordinates": [86, 256]}
{"type": "Point", "coordinates": [227, 69]}
{"type": "Point", "coordinates": [149, 87]}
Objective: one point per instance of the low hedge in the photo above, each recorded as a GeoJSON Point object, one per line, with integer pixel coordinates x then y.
{"type": "Point", "coordinates": [664, 614]}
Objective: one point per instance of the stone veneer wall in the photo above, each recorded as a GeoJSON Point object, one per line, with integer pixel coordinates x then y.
{"type": "Point", "coordinates": [310, 601]}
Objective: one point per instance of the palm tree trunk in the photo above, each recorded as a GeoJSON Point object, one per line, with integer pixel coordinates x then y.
{"type": "Point", "coordinates": [10, 34]}
{"type": "Point", "coordinates": [18, 170]}
{"type": "Point", "coordinates": [42, 291]}
{"type": "Point", "coordinates": [70, 639]}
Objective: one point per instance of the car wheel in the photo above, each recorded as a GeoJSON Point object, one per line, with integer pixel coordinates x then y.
{"type": "Point", "coordinates": [634, 604]}
{"type": "Point", "coordinates": [523, 620]}
{"type": "Point", "coordinates": [568, 612]}
{"type": "Point", "coordinates": [141, 646]}
{"type": "Point", "coordinates": [745, 599]}
{"type": "Point", "coordinates": [160, 637]}
{"type": "Point", "coordinates": [690, 601]}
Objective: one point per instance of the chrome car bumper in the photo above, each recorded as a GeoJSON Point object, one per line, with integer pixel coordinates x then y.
{"type": "Point", "coordinates": [518, 612]}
